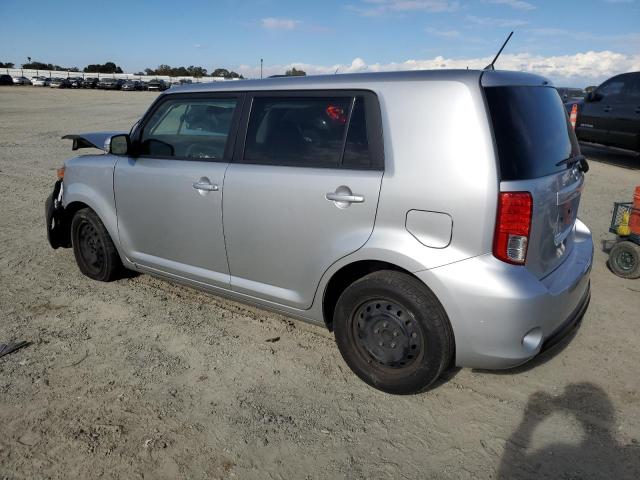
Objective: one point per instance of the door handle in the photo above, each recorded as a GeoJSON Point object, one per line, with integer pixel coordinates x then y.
{"type": "Point", "coordinates": [344, 198]}
{"type": "Point", "coordinates": [205, 186]}
{"type": "Point", "coordinates": [607, 109]}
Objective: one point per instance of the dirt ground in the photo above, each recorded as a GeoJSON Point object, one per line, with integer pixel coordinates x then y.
{"type": "Point", "coordinates": [141, 378]}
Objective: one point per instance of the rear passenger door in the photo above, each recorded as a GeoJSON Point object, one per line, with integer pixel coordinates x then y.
{"type": "Point", "coordinates": [302, 190]}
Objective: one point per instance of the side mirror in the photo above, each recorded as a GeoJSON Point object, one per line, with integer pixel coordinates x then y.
{"type": "Point", "coordinates": [119, 144]}
{"type": "Point", "coordinates": [595, 96]}
{"type": "Point", "coordinates": [588, 97]}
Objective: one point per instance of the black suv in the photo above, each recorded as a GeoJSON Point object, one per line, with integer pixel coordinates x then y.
{"type": "Point", "coordinates": [610, 115]}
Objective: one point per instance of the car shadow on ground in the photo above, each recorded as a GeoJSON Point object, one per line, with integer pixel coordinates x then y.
{"type": "Point", "coordinates": [597, 455]}
{"type": "Point", "coordinates": [612, 156]}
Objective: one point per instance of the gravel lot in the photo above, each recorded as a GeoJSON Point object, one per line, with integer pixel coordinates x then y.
{"type": "Point", "coordinates": [145, 379]}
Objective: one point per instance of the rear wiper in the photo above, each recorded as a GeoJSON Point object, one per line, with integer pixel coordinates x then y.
{"type": "Point", "coordinates": [584, 166]}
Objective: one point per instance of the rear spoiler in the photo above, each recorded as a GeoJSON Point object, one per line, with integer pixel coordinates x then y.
{"type": "Point", "coordinates": [99, 140]}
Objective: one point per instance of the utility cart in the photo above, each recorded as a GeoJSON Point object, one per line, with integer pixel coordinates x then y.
{"type": "Point", "coordinates": [624, 257]}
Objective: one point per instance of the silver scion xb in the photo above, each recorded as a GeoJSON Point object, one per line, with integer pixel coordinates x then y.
{"type": "Point", "coordinates": [428, 218]}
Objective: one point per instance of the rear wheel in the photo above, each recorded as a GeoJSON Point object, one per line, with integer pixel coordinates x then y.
{"type": "Point", "coordinates": [393, 332]}
{"type": "Point", "coordinates": [624, 259]}
{"type": "Point", "coordinates": [95, 253]}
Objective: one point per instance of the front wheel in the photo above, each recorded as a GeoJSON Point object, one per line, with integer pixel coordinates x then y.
{"type": "Point", "coordinates": [393, 332]}
{"type": "Point", "coordinates": [95, 253]}
{"type": "Point", "coordinates": [624, 259]}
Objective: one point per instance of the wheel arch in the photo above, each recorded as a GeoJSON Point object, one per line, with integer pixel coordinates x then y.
{"type": "Point", "coordinates": [78, 196]}
{"type": "Point", "coordinates": [345, 276]}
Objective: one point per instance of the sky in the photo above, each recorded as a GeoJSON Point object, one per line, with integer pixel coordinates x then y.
{"type": "Point", "coordinates": [576, 43]}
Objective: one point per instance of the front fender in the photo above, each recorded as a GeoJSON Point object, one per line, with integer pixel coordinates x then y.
{"type": "Point", "coordinates": [89, 180]}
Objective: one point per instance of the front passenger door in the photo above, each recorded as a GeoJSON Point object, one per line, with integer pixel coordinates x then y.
{"type": "Point", "coordinates": [169, 196]}
{"type": "Point", "coordinates": [596, 115]}
{"type": "Point", "coordinates": [625, 131]}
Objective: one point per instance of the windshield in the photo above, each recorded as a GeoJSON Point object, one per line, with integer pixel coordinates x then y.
{"type": "Point", "coordinates": [531, 130]}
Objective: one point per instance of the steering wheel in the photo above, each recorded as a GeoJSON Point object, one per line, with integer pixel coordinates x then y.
{"type": "Point", "coordinates": [196, 150]}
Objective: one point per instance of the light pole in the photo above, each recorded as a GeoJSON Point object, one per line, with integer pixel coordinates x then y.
{"type": "Point", "coordinates": [261, 68]}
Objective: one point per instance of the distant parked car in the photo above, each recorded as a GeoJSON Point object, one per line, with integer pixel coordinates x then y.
{"type": "Point", "coordinates": [110, 83]}
{"type": "Point", "coordinates": [570, 96]}
{"type": "Point", "coordinates": [567, 93]}
{"type": "Point", "coordinates": [157, 85]}
{"type": "Point", "coordinates": [610, 115]}
{"type": "Point", "coordinates": [21, 81]}
{"type": "Point", "coordinates": [41, 81]}
{"type": "Point", "coordinates": [90, 82]}
{"type": "Point", "coordinates": [6, 80]}
{"type": "Point", "coordinates": [76, 82]}
{"type": "Point", "coordinates": [131, 85]}
{"type": "Point", "coordinates": [60, 83]}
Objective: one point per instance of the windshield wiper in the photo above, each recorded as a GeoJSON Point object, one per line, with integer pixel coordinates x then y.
{"type": "Point", "coordinates": [573, 159]}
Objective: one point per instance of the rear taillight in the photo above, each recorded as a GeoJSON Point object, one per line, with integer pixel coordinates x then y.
{"type": "Point", "coordinates": [513, 224]}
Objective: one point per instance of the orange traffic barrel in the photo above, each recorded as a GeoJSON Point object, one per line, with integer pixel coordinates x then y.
{"type": "Point", "coordinates": [573, 117]}
{"type": "Point", "coordinates": [634, 218]}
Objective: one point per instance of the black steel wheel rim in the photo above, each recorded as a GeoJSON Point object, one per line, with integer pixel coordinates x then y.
{"type": "Point", "coordinates": [625, 261]}
{"type": "Point", "coordinates": [387, 334]}
{"type": "Point", "coordinates": [91, 248]}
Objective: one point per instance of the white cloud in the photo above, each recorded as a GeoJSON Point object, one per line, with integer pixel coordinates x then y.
{"type": "Point", "coordinates": [517, 4]}
{"type": "Point", "coordinates": [442, 33]}
{"type": "Point", "coordinates": [580, 69]}
{"type": "Point", "coordinates": [373, 8]}
{"type": "Point", "coordinates": [628, 40]}
{"type": "Point", "coordinates": [272, 23]}
{"type": "Point", "coordinates": [495, 22]}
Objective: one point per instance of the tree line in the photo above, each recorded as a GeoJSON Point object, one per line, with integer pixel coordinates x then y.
{"type": "Point", "coordinates": [111, 67]}
{"type": "Point", "coordinates": [190, 71]}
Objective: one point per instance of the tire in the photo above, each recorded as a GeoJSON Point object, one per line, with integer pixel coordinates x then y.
{"type": "Point", "coordinates": [393, 332]}
{"type": "Point", "coordinates": [624, 259]}
{"type": "Point", "coordinates": [95, 253]}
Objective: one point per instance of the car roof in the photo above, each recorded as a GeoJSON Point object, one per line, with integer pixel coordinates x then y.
{"type": "Point", "coordinates": [367, 80]}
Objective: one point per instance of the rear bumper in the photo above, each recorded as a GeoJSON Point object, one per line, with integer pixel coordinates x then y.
{"type": "Point", "coordinates": [502, 315]}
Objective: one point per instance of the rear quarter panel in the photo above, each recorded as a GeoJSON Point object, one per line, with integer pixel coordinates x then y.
{"type": "Point", "coordinates": [439, 157]}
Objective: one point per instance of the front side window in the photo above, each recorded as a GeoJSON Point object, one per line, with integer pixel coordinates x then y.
{"type": "Point", "coordinates": [189, 129]}
{"type": "Point", "coordinates": [611, 90]}
{"type": "Point", "coordinates": [297, 131]}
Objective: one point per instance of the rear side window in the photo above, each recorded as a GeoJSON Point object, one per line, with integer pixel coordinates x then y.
{"type": "Point", "coordinates": [318, 131]}
{"type": "Point", "coordinates": [531, 131]}
{"type": "Point", "coordinates": [297, 131]}
{"type": "Point", "coordinates": [356, 150]}
{"type": "Point", "coordinates": [633, 89]}
{"type": "Point", "coordinates": [189, 129]}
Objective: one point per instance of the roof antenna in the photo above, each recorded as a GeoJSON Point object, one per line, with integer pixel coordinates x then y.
{"type": "Point", "coordinates": [490, 66]}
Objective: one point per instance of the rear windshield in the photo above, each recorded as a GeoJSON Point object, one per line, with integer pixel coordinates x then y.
{"type": "Point", "coordinates": [531, 130]}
